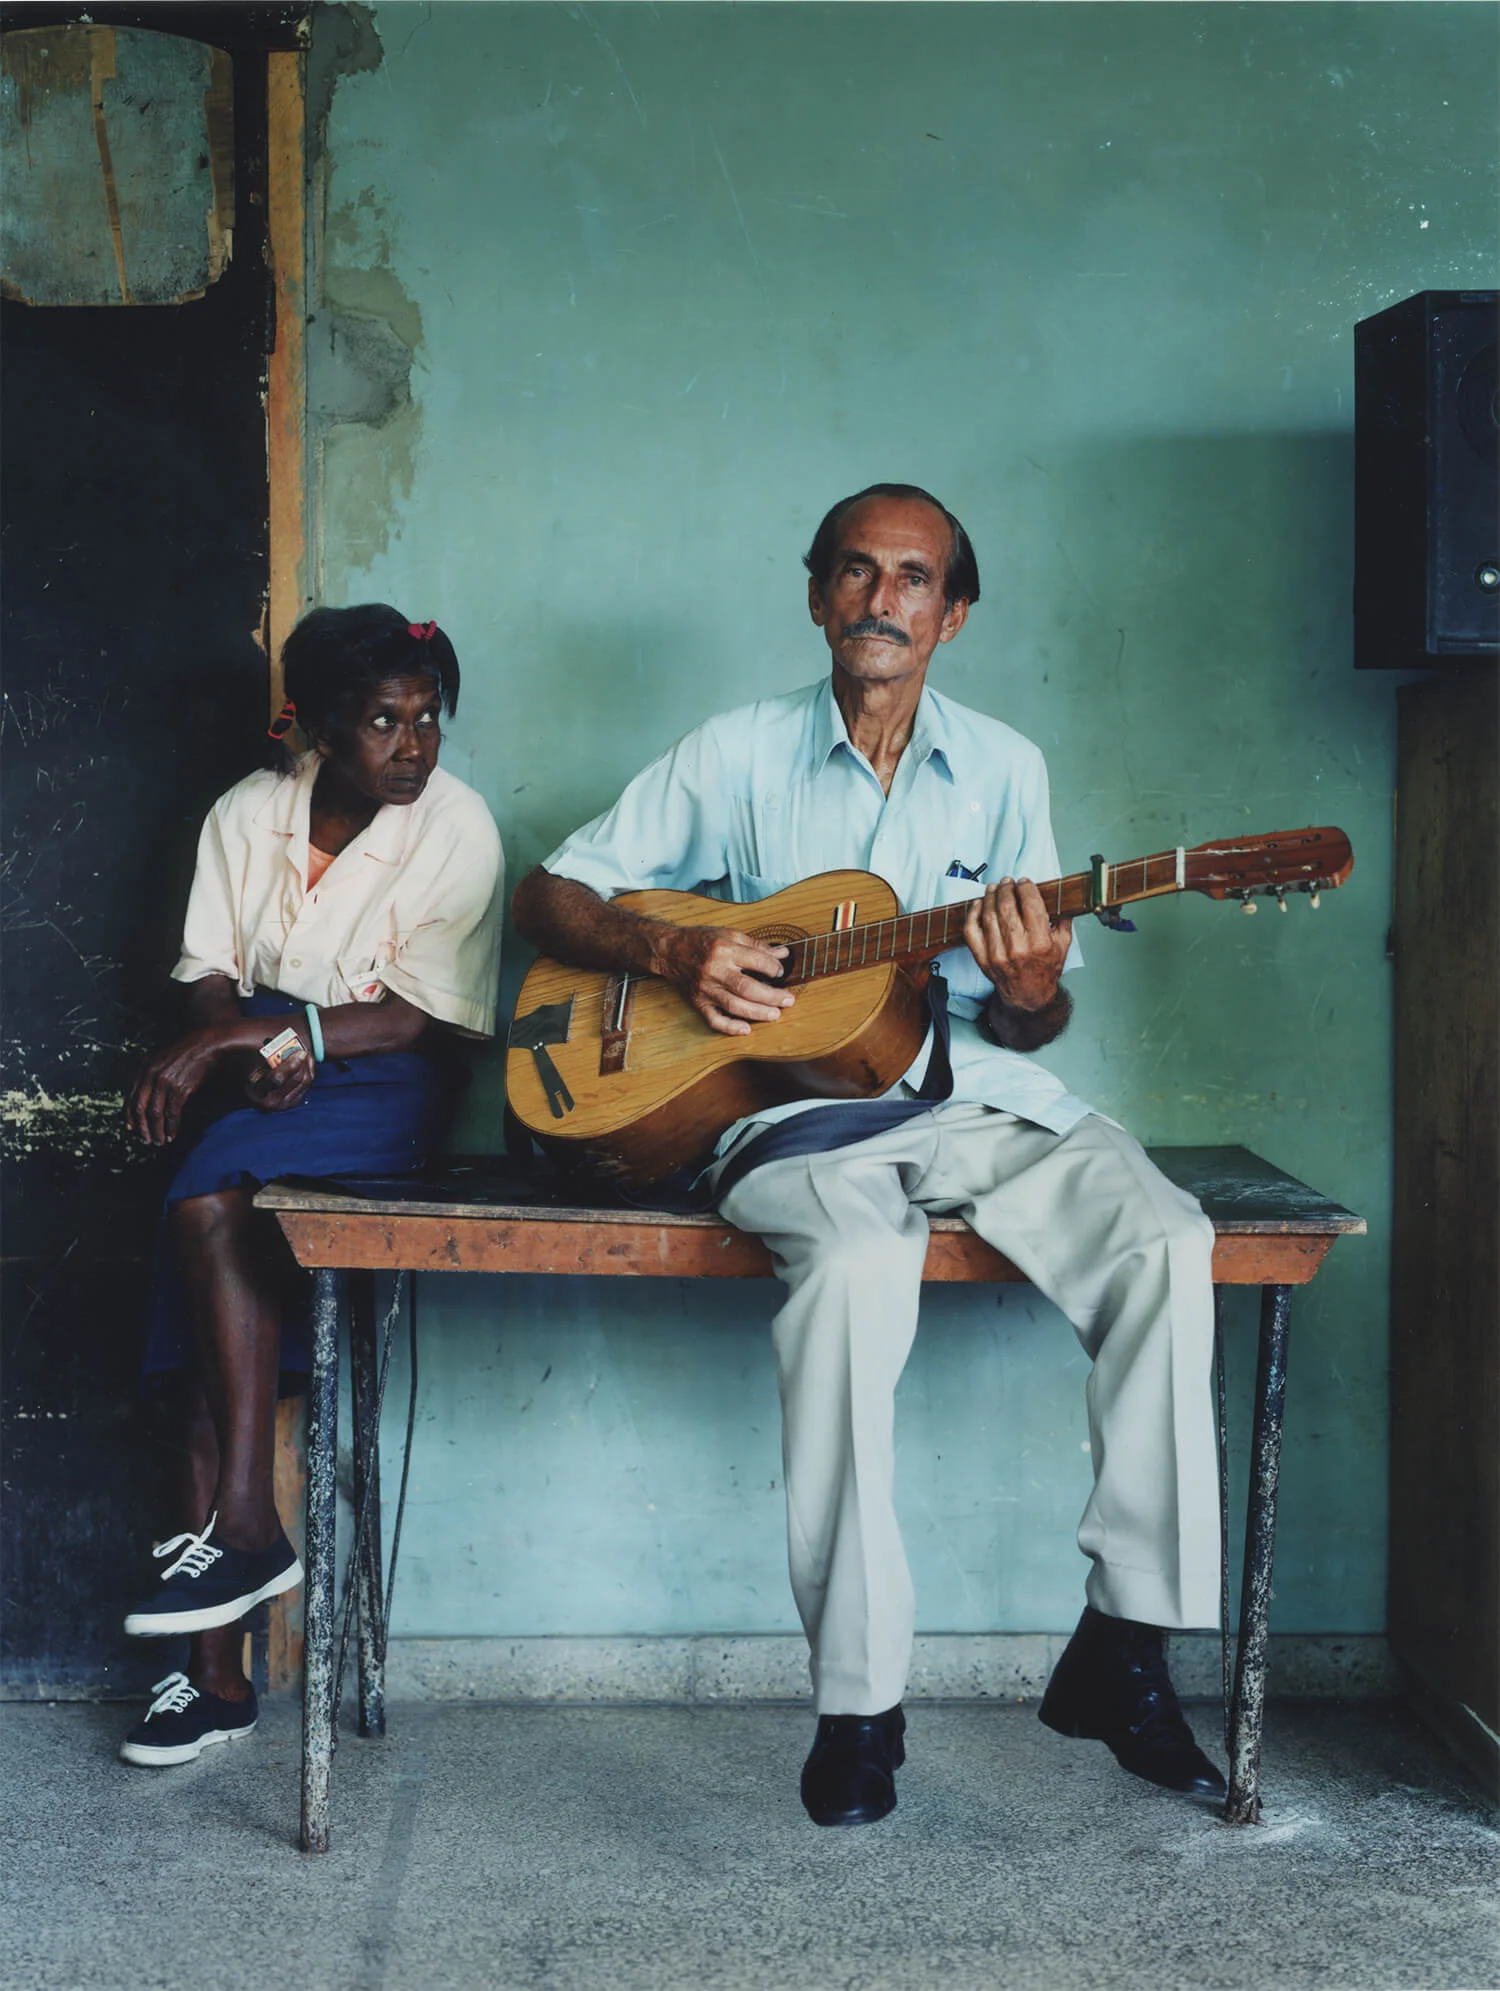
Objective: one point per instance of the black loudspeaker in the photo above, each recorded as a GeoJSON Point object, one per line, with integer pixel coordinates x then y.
{"type": "Point", "coordinates": [1427, 482]}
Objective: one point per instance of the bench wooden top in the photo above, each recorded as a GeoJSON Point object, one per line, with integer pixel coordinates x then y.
{"type": "Point", "coordinates": [481, 1215]}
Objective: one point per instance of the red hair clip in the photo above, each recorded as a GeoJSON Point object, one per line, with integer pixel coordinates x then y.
{"type": "Point", "coordinates": [422, 632]}
{"type": "Point", "coordinates": [282, 724]}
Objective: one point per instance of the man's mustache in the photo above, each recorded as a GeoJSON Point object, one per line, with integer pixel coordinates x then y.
{"type": "Point", "coordinates": [873, 625]}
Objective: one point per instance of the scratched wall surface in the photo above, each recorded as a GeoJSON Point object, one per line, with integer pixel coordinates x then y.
{"type": "Point", "coordinates": [670, 280]}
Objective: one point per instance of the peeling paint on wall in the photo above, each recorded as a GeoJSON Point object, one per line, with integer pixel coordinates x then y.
{"type": "Point", "coordinates": [363, 335]}
{"type": "Point", "coordinates": [117, 147]}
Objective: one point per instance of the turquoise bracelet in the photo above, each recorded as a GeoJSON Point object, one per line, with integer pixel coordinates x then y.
{"type": "Point", "coordinates": [315, 1030]}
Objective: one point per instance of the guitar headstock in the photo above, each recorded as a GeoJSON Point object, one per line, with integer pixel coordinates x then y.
{"type": "Point", "coordinates": [1281, 861]}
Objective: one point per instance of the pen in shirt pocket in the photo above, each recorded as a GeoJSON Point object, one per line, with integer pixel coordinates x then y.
{"type": "Point", "coordinates": [959, 870]}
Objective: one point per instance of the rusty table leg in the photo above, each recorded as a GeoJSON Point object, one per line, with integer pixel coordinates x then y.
{"type": "Point", "coordinates": [322, 1494]}
{"type": "Point", "coordinates": [1243, 1804]}
{"type": "Point", "coordinates": [364, 1366]}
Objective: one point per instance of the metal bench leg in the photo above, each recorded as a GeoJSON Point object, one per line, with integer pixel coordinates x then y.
{"type": "Point", "coordinates": [364, 1360]}
{"type": "Point", "coordinates": [322, 1497]}
{"type": "Point", "coordinates": [1243, 1804]}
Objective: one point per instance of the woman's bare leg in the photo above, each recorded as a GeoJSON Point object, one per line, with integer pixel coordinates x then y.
{"type": "Point", "coordinates": [231, 1259]}
{"type": "Point", "coordinates": [215, 1658]}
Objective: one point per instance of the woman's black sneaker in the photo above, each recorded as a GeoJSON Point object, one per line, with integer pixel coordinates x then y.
{"type": "Point", "coordinates": [182, 1722]}
{"type": "Point", "coordinates": [212, 1584]}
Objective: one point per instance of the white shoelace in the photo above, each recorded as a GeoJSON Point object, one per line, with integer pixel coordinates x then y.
{"type": "Point", "coordinates": [173, 1695]}
{"type": "Point", "coordinates": [198, 1555]}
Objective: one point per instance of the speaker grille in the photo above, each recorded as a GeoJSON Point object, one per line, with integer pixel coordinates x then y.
{"type": "Point", "coordinates": [1427, 482]}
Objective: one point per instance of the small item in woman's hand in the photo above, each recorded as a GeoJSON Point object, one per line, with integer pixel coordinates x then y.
{"type": "Point", "coordinates": [284, 1045]}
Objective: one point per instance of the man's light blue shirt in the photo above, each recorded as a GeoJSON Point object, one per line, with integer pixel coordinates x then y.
{"type": "Point", "coordinates": [759, 798]}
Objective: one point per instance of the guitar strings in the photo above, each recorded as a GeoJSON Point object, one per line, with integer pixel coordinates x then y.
{"type": "Point", "coordinates": [803, 954]}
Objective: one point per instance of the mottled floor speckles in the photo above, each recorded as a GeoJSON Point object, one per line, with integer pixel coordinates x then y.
{"type": "Point", "coordinates": [663, 1849]}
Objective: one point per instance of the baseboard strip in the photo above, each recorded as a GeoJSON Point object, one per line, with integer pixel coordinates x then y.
{"type": "Point", "coordinates": [945, 1667]}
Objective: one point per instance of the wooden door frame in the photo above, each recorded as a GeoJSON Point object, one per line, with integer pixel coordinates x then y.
{"type": "Point", "coordinates": [286, 374]}
{"type": "Point", "coordinates": [286, 599]}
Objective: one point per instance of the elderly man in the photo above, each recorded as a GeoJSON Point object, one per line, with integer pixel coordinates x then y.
{"type": "Point", "coordinates": [876, 771]}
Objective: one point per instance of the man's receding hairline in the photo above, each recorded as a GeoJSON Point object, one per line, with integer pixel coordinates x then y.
{"type": "Point", "coordinates": [882, 498]}
{"type": "Point", "coordinates": [961, 570]}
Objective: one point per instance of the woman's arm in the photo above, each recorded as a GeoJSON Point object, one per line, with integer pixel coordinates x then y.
{"type": "Point", "coordinates": [349, 1030]}
{"type": "Point", "coordinates": [217, 1031]}
{"type": "Point", "coordinates": [172, 1075]}
{"type": "Point", "coordinates": [361, 1029]}
{"type": "Point", "coordinates": [214, 999]}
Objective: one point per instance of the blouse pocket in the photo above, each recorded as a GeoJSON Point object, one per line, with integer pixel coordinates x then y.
{"type": "Point", "coordinates": [360, 976]}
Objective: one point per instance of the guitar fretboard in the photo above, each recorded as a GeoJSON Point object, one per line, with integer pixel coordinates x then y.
{"type": "Point", "coordinates": [919, 936]}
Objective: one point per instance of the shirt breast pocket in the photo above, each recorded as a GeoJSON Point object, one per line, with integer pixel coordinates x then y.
{"type": "Point", "coordinates": [753, 887]}
{"type": "Point", "coordinates": [360, 974]}
{"type": "Point", "coordinates": [957, 891]}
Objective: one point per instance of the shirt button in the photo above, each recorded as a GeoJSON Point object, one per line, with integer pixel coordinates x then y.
{"type": "Point", "coordinates": [294, 964]}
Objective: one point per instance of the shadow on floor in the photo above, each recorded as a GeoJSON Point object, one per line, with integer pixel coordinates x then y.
{"type": "Point", "coordinates": [663, 1849]}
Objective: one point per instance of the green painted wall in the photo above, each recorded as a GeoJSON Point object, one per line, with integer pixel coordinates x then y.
{"type": "Point", "coordinates": [669, 280]}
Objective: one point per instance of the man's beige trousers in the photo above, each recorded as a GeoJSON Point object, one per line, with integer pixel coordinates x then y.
{"type": "Point", "coordinates": [1097, 1229]}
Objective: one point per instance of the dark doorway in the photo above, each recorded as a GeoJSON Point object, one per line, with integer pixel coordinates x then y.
{"type": "Point", "coordinates": [133, 531]}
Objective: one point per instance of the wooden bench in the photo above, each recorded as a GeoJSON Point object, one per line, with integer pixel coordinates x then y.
{"type": "Point", "coordinates": [1272, 1232]}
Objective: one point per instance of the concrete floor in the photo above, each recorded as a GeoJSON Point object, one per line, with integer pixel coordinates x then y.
{"type": "Point", "coordinates": [663, 1849]}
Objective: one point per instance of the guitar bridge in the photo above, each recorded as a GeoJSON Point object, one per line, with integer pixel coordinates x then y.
{"type": "Point", "coordinates": [619, 1000]}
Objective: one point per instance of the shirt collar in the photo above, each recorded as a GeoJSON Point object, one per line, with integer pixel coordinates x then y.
{"type": "Point", "coordinates": [386, 836]}
{"type": "Point", "coordinates": [932, 735]}
{"type": "Point", "coordinates": [287, 804]}
{"type": "Point", "coordinates": [287, 811]}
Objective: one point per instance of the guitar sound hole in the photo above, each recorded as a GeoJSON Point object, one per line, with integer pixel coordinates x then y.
{"type": "Point", "coordinates": [778, 936]}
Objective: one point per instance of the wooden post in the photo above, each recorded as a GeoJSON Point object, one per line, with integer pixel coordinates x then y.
{"type": "Point", "coordinates": [286, 377]}
{"type": "Point", "coordinates": [284, 1664]}
{"type": "Point", "coordinates": [286, 410]}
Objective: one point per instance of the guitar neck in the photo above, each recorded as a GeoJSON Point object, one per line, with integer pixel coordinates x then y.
{"type": "Point", "coordinates": [919, 936]}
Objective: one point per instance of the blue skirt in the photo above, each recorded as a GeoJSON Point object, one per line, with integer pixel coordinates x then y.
{"type": "Point", "coordinates": [380, 1115]}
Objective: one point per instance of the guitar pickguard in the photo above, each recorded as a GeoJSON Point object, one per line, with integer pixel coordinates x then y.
{"type": "Point", "coordinates": [551, 1024]}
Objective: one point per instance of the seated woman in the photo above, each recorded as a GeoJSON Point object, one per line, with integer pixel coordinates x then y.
{"type": "Point", "coordinates": [344, 922]}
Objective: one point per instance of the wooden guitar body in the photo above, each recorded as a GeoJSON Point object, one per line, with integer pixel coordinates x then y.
{"type": "Point", "coordinates": [652, 1087]}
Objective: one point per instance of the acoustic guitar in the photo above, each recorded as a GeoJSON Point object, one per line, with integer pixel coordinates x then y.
{"type": "Point", "coordinates": [618, 1077]}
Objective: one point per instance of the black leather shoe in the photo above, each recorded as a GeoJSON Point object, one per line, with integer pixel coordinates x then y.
{"type": "Point", "coordinates": [1111, 1685]}
{"type": "Point", "coordinates": [848, 1778]}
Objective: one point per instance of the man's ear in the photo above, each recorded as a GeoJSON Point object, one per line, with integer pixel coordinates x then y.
{"type": "Point", "coordinates": [814, 601]}
{"type": "Point", "coordinates": [954, 618]}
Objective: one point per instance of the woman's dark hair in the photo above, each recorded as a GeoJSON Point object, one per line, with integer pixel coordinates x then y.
{"type": "Point", "coordinates": [960, 583]}
{"type": "Point", "coordinates": [335, 657]}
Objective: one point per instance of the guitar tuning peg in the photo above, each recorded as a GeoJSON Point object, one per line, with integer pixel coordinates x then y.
{"type": "Point", "coordinates": [1249, 906]}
